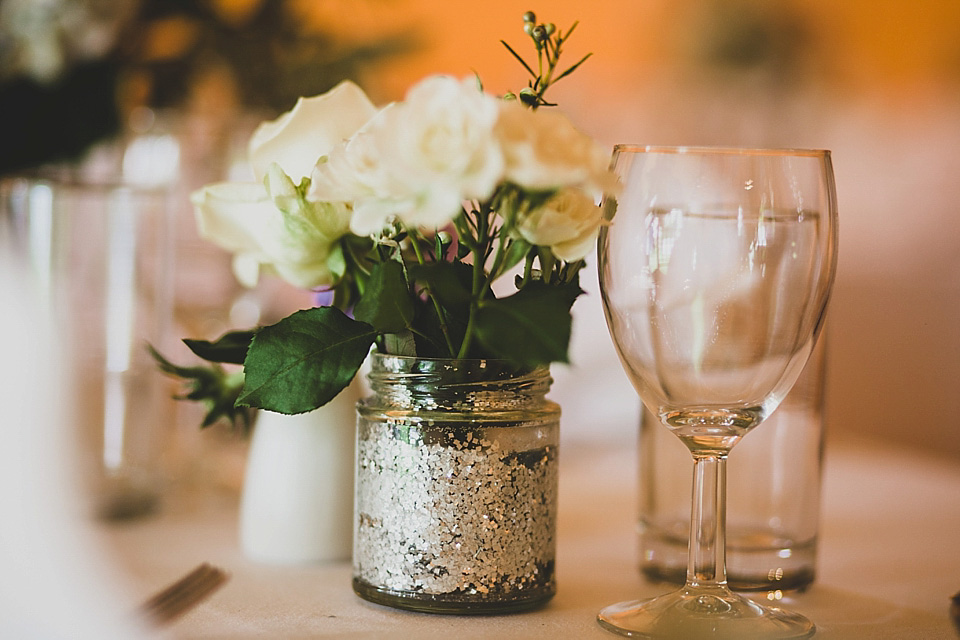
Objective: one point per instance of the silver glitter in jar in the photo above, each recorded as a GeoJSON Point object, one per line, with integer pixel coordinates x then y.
{"type": "Point", "coordinates": [456, 487]}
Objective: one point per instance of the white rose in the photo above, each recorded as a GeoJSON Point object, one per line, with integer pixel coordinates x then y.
{"type": "Point", "coordinates": [443, 133]}
{"type": "Point", "coordinates": [298, 138]}
{"type": "Point", "coordinates": [567, 223]}
{"type": "Point", "coordinates": [273, 228]}
{"type": "Point", "coordinates": [354, 173]}
{"type": "Point", "coordinates": [544, 151]}
{"type": "Point", "coordinates": [351, 170]}
{"type": "Point", "coordinates": [270, 225]}
{"type": "Point", "coordinates": [423, 157]}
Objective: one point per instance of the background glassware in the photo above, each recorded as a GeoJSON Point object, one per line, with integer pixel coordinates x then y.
{"type": "Point", "coordinates": [101, 255]}
{"type": "Point", "coordinates": [773, 494]}
{"type": "Point", "coordinates": [715, 271]}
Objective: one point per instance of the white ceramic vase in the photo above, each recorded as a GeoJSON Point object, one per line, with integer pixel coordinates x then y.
{"type": "Point", "coordinates": [297, 501]}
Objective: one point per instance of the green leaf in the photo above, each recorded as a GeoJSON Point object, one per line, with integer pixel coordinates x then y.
{"type": "Point", "coordinates": [573, 68]}
{"type": "Point", "coordinates": [400, 344]}
{"type": "Point", "coordinates": [448, 282]}
{"type": "Point", "coordinates": [429, 331]}
{"type": "Point", "coordinates": [517, 56]}
{"type": "Point", "coordinates": [211, 386]}
{"type": "Point", "coordinates": [304, 360]}
{"type": "Point", "coordinates": [230, 348]}
{"type": "Point", "coordinates": [386, 304]}
{"type": "Point", "coordinates": [516, 252]}
{"type": "Point", "coordinates": [531, 327]}
{"type": "Point", "coordinates": [449, 285]}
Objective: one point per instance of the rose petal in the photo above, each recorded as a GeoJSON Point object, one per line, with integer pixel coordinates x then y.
{"type": "Point", "coordinates": [233, 215]}
{"type": "Point", "coordinates": [298, 138]}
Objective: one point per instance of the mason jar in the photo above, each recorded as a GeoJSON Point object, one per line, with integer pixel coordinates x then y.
{"type": "Point", "coordinates": [456, 487]}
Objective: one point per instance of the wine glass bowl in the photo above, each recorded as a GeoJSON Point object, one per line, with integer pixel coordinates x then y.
{"type": "Point", "coordinates": [715, 270]}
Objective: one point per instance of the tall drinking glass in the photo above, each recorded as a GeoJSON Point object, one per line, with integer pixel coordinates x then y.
{"type": "Point", "coordinates": [100, 255]}
{"type": "Point", "coordinates": [715, 270]}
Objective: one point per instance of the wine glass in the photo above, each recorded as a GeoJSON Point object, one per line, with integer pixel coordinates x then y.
{"type": "Point", "coordinates": [715, 270]}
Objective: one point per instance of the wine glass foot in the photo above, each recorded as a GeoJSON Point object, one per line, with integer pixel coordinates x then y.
{"type": "Point", "coordinates": [714, 612]}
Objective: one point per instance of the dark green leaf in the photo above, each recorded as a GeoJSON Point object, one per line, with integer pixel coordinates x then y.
{"type": "Point", "coordinates": [573, 68]}
{"type": "Point", "coordinates": [230, 348]}
{"type": "Point", "coordinates": [430, 333]}
{"type": "Point", "coordinates": [531, 327]}
{"type": "Point", "coordinates": [386, 304]}
{"type": "Point", "coordinates": [451, 285]}
{"type": "Point", "coordinates": [400, 344]}
{"type": "Point", "coordinates": [449, 282]}
{"type": "Point", "coordinates": [516, 252]}
{"type": "Point", "coordinates": [304, 360]}
{"type": "Point", "coordinates": [211, 386]}
{"type": "Point", "coordinates": [517, 56]}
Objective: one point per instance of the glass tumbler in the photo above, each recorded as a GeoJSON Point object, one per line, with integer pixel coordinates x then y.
{"type": "Point", "coordinates": [100, 255]}
{"type": "Point", "coordinates": [773, 494]}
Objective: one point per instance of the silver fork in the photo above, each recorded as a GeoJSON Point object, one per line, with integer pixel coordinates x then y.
{"type": "Point", "coordinates": [175, 600]}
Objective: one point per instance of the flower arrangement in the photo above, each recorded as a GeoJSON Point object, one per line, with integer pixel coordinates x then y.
{"type": "Point", "coordinates": [403, 225]}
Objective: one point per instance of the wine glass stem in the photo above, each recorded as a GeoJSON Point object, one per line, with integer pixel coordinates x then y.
{"type": "Point", "coordinates": [706, 559]}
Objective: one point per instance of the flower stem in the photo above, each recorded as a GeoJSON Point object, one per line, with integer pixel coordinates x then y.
{"type": "Point", "coordinates": [528, 266]}
{"type": "Point", "coordinates": [441, 316]}
{"type": "Point", "coordinates": [479, 249]}
{"type": "Point", "coordinates": [496, 265]}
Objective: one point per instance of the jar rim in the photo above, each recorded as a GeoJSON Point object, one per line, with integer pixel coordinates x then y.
{"type": "Point", "coordinates": [380, 354]}
{"type": "Point", "coordinates": [496, 368]}
{"type": "Point", "coordinates": [457, 384]}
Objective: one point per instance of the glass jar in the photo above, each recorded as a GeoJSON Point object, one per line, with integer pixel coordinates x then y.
{"type": "Point", "coordinates": [456, 488]}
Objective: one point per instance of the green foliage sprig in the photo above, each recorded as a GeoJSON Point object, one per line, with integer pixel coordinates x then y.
{"type": "Point", "coordinates": [548, 42]}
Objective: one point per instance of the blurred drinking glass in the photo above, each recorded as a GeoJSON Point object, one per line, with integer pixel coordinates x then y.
{"type": "Point", "coordinates": [101, 255]}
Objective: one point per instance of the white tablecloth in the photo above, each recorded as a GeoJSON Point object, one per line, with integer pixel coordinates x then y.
{"type": "Point", "coordinates": [889, 559]}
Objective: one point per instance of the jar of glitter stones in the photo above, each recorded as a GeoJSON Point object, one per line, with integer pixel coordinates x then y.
{"type": "Point", "coordinates": [456, 488]}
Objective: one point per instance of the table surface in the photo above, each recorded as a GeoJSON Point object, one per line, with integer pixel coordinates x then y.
{"type": "Point", "coordinates": [889, 559]}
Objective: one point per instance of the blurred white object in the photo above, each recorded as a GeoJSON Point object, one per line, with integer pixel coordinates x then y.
{"type": "Point", "coordinates": [297, 504]}
{"type": "Point", "coordinates": [54, 583]}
